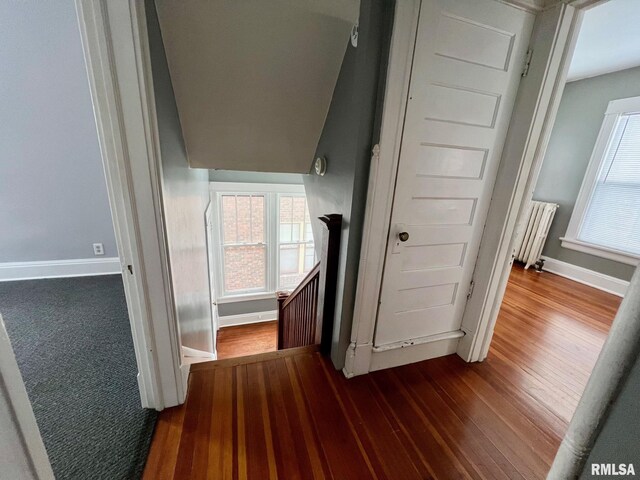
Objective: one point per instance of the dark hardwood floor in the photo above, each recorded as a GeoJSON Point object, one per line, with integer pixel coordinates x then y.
{"type": "Point", "coordinates": [293, 416]}
{"type": "Point", "coordinates": [248, 339]}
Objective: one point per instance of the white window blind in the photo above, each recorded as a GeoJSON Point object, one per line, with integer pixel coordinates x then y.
{"type": "Point", "coordinates": [612, 217]}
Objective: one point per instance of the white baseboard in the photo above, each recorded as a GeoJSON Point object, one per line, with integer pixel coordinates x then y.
{"type": "Point", "coordinates": [246, 318]}
{"type": "Point", "coordinates": [403, 353]}
{"type": "Point", "coordinates": [79, 267]}
{"type": "Point", "coordinates": [588, 277]}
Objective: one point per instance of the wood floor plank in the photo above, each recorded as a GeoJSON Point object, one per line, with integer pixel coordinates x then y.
{"type": "Point", "coordinates": [373, 427]}
{"type": "Point", "coordinates": [221, 440]}
{"type": "Point", "coordinates": [337, 439]}
{"type": "Point", "coordinates": [290, 415]}
{"type": "Point", "coordinates": [250, 339]}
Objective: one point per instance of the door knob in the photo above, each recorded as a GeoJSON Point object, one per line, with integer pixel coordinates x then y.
{"type": "Point", "coordinates": [403, 236]}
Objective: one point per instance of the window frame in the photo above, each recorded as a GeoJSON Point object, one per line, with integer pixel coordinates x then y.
{"type": "Point", "coordinates": [272, 193]}
{"type": "Point", "coordinates": [615, 109]}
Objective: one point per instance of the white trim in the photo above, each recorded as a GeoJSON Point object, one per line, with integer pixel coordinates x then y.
{"type": "Point", "coordinates": [79, 267]}
{"type": "Point", "coordinates": [623, 105]}
{"type": "Point", "coordinates": [600, 251]}
{"type": "Point", "coordinates": [21, 445]}
{"type": "Point", "coordinates": [382, 179]}
{"type": "Point", "coordinates": [247, 297]}
{"type": "Point", "coordinates": [591, 175]}
{"type": "Point", "coordinates": [417, 350]}
{"type": "Point", "coordinates": [585, 276]}
{"type": "Point", "coordinates": [115, 44]}
{"type": "Point", "coordinates": [247, 318]}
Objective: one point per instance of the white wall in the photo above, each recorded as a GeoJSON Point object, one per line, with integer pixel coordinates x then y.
{"type": "Point", "coordinates": [53, 195]}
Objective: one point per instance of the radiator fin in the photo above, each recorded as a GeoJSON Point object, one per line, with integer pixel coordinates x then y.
{"type": "Point", "coordinates": [534, 231]}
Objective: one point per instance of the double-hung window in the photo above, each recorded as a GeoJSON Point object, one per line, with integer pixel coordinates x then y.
{"type": "Point", "coordinates": [606, 218]}
{"type": "Point", "coordinates": [263, 240]}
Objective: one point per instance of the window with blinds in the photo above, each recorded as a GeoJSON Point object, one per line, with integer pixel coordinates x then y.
{"type": "Point", "coordinates": [612, 216]}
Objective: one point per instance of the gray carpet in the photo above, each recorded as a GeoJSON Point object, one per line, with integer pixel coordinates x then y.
{"type": "Point", "coordinates": [73, 344]}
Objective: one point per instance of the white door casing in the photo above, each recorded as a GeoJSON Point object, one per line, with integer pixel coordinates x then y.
{"type": "Point", "coordinates": [467, 65]}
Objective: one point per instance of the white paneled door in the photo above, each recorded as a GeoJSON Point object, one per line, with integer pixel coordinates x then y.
{"type": "Point", "coordinates": [468, 62]}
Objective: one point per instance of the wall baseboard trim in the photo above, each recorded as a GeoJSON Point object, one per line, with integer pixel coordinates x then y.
{"type": "Point", "coordinates": [79, 267]}
{"type": "Point", "coordinates": [389, 356]}
{"type": "Point", "coordinates": [585, 276]}
{"type": "Point", "coordinates": [246, 318]}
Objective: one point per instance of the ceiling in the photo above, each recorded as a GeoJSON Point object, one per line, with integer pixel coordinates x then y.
{"type": "Point", "coordinates": [609, 40]}
{"type": "Point", "coordinates": [253, 79]}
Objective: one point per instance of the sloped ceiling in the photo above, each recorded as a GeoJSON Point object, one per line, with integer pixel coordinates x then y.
{"type": "Point", "coordinates": [253, 79]}
{"type": "Point", "coordinates": [609, 40]}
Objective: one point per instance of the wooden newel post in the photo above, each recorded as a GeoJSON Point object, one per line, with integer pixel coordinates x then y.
{"type": "Point", "coordinates": [281, 297]}
{"type": "Point", "coordinates": [329, 260]}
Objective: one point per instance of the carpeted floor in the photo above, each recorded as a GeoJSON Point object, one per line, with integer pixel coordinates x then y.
{"type": "Point", "coordinates": [72, 340]}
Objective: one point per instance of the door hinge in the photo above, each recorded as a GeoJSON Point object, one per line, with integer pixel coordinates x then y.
{"type": "Point", "coordinates": [527, 62]}
{"type": "Point", "coordinates": [470, 292]}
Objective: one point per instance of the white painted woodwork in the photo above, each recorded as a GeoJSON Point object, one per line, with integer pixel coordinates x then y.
{"type": "Point", "coordinates": [115, 43]}
{"type": "Point", "coordinates": [467, 65]}
{"type": "Point", "coordinates": [253, 79]}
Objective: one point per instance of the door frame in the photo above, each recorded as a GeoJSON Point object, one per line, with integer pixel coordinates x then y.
{"type": "Point", "coordinates": [115, 43]}
{"type": "Point", "coordinates": [527, 139]}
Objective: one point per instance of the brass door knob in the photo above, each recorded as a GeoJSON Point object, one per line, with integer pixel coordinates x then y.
{"type": "Point", "coordinates": [403, 236]}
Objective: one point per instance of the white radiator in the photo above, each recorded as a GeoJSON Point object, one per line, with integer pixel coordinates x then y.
{"type": "Point", "coordinates": [533, 234]}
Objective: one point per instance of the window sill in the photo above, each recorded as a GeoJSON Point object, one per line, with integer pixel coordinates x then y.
{"type": "Point", "coordinates": [599, 251]}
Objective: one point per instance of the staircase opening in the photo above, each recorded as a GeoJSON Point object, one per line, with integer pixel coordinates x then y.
{"type": "Point", "coordinates": [272, 279]}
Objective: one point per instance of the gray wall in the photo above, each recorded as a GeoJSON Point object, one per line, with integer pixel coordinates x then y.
{"type": "Point", "coordinates": [186, 195]}
{"type": "Point", "coordinates": [53, 194]}
{"type": "Point", "coordinates": [572, 140]}
{"type": "Point", "coordinates": [619, 439]}
{"type": "Point", "coordinates": [350, 131]}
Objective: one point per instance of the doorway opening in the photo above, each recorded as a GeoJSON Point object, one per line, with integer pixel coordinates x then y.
{"type": "Point", "coordinates": [62, 292]}
{"type": "Point", "coordinates": [577, 244]}
{"type": "Point", "coordinates": [260, 242]}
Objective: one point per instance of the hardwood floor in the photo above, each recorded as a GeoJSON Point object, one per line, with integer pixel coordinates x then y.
{"type": "Point", "coordinates": [247, 339]}
{"type": "Point", "coordinates": [293, 416]}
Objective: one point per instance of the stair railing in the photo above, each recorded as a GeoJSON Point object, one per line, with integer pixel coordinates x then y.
{"type": "Point", "coordinates": [305, 316]}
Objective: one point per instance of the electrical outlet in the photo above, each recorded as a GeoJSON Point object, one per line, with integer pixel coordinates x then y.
{"type": "Point", "coordinates": [98, 249]}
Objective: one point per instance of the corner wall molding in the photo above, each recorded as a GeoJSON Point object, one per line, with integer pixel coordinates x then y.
{"type": "Point", "coordinates": [585, 276]}
{"type": "Point", "coordinates": [79, 267]}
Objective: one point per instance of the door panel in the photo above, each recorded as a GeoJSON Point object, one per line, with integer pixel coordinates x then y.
{"type": "Point", "coordinates": [467, 64]}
